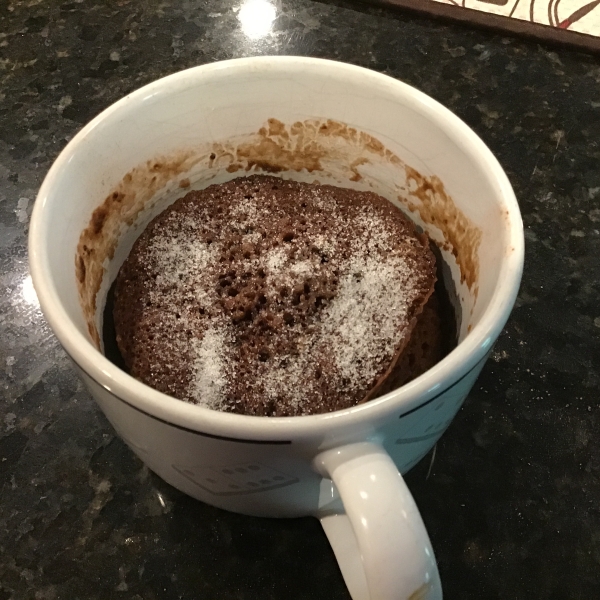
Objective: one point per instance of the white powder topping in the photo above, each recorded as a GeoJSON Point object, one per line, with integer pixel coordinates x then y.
{"type": "Point", "coordinates": [276, 259]}
{"type": "Point", "coordinates": [284, 380]}
{"type": "Point", "coordinates": [362, 322]}
{"type": "Point", "coordinates": [179, 258]}
{"type": "Point", "coordinates": [304, 267]}
{"type": "Point", "coordinates": [360, 328]}
{"type": "Point", "coordinates": [210, 366]}
{"type": "Point", "coordinates": [252, 237]}
{"type": "Point", "coordinates": [248, 209]}
{"type": "Point", "coordinates": [377, 236]}
{"type": "Point", "coordinates": [320, 242]}
{"type": "Point", "coordinates": [358, 331]}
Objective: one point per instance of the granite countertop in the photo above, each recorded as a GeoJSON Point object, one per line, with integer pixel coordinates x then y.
{"type": "Point", "coordinates": [512, 499]}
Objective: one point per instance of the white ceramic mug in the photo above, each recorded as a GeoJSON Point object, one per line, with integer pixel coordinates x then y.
{"type": "Point", "coordinates": [309, 120]}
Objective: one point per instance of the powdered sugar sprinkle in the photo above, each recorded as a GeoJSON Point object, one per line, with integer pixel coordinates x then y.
{"type": "Point", "coordinates": [210, 366]}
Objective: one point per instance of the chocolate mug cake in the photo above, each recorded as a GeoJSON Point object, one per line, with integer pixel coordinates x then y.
{"type": "Point", "coordinates": [269, 297]}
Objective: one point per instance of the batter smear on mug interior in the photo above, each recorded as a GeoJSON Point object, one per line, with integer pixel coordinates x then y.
{"type": "Point", "coordinates": [270, 297]}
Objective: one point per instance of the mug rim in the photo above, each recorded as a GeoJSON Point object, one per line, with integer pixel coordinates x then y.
{"type": "Point", "coordinates": [467, 356]}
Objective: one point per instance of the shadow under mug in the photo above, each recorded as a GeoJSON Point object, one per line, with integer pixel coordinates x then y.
{"type": "Point", "coordinates": [307, 119]}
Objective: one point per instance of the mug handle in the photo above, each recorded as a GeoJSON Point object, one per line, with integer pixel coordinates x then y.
{"type": "Point", "coordinates": [378, 537]}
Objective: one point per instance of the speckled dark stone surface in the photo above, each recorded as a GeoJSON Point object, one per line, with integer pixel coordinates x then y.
{"type": "Point", "coordinates": [512, 502]}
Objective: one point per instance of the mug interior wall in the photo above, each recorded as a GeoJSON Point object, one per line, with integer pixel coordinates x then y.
{"type": "Point", "coordinates": [193, 110]}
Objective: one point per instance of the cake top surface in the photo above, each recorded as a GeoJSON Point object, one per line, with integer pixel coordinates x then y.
{"type": "Point", "coordinates": [270, 297]}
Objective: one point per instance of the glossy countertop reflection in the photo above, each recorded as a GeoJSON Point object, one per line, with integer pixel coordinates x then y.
{"type": "Point", "coordinates": [511, 495]}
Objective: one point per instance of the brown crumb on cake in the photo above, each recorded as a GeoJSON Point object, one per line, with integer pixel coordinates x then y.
{"type": "Point", "coordinates": [270, 297]}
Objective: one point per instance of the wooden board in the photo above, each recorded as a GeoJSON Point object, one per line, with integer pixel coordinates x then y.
{"type": "Point", "coordinates": [572, 22]}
